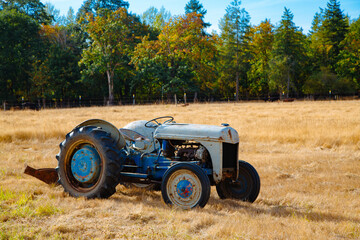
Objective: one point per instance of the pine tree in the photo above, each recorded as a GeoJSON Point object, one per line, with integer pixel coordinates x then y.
{"type": "Point", "coordinates": [334, 27]}
{"type": "Point", "coordinates": [194, 6]}
{"type": "Point", "coordinates": [288, 56]}
{"type": "Point", "coordinates": [235, 27]}
{"type": "Point", "coordinates": [329, 29]}
{"type": "Point", "coordinates": [348, 65]}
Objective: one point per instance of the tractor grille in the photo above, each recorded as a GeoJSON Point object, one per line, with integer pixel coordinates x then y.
{"type": "Point", "coordinates": [230, 156]}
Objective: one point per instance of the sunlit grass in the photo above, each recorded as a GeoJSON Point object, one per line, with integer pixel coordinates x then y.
{"type": "Point", "coordinates": [307, 155]}
{"type": "Point", "coordinates": [14, 205]}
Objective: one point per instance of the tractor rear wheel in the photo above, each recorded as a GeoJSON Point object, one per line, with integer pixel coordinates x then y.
{"type": "Point", "coordinates": [245, 188]}
{"type": "Point", "coordinates": [89, 163]}
{"type": "Point", "coordinates": [185, 186]}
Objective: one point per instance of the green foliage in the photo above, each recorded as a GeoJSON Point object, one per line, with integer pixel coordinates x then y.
{"type": "Point", "coordinates": [334, 49]}
{"type": "Point", "coordinates": [329, 29]}
{"type": "Point", "coordinates": [288, 57]}
{"type": "Point", "coordinates": [19, 47]}
{"type": "Point", "coordinates": [155, 18]}
{"type": "Point", "coordinates": [56, 75]}
{"type": "Point", "coordinates": [334, 27]}
{"type": "Point", "coordinates": [194, 6]}
{"type": "Point", "coordinates": [324, 82]}
{"type": "Point", "coordinates": [235, 54]}
{"type": "Point", "coordinates": [106, 52]}
{"type": "Point", "coordinates": [33, 8]}
{"type": "Point", "coordinates": [181, 60]}
{"type": "Point", "coordinates": [94, 6]}
{"type": "Point", "coordinates": [15, 205]}
{"type": "Point", "coordinates": [262, 38]}
{"type": "Point", "coordinates": [114, 36]}
{"type": "Point", "coordinates": [348, 65]}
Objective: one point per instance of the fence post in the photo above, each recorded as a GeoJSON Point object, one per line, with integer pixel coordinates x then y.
{"type": "Point", "coordinates": [175, 99]}
{"type": "Point", "coordinates": [184, 98]}
{"type": "Point", "coordinates": [4, 105]}
{"type": "Point", "coordinates": [133, 99]}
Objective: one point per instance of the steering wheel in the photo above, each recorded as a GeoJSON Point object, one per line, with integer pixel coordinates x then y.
{"type": "Point", "coordinates": [155, 120]}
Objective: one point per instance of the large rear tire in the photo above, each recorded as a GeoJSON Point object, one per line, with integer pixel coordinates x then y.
{"type": "Point", "coordinates": [185, 186]}
{"type": "Point", "coordinates": [89, 163]}
{"type": "Point", "coordinates": [245, 188]}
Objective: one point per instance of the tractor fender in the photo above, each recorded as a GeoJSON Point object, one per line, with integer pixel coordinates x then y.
{"type": "Point", "coordinates": [108, 127]}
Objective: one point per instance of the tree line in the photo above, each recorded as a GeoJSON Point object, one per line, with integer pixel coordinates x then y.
{"type": "Point", "coordinates": [106, 52]}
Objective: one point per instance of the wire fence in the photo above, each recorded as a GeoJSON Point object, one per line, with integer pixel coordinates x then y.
{"type": "Point", "coordinates": [183, 99]}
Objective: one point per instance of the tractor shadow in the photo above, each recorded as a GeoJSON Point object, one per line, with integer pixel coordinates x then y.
{"type": "Point", "coordinates": [219, 206]}
{"type": "Point", "coordinates": [261, 206]}
{"type": "Point", "coordinates": [150, 198]}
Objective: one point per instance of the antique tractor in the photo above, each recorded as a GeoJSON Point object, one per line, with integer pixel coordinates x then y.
{"type": "Point", "coordinates": [183, 160]}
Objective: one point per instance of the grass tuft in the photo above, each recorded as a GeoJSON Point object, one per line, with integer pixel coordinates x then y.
{"type": "Point", "coordinates": [15, 205]}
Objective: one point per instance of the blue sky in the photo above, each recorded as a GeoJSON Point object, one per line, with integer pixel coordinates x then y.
{"type": "Point", "coordinates": [303, 10]}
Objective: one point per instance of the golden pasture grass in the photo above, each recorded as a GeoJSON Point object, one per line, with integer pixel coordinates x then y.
{"type": "Point", "coordinates": [307, 155]}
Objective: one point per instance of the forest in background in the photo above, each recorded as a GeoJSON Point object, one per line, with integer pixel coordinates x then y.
{"type": "Point", "coordinates": [107, 54]}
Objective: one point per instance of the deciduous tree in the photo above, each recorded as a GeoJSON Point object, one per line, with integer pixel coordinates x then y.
{"type": "Point", "coordinates": [181, 60]}
{"type": "Point", "coordinates": [114, 36]}
{"type": "Point", "coordinates": [262, 38]}
{"type": "Point", "coordinates": [19, 48]}
{"type": "Point", "coordinates": [33, 8]}
{"type": "Point", "coordinates": [57, 74]}
{"type": "Point", "coordinates": [156, 18]}
{"type": "Point", "coordinates": [93, 6]}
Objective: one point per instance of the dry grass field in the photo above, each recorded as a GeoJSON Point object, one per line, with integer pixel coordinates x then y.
{"type": "Point", "coordinates": [307, 155]}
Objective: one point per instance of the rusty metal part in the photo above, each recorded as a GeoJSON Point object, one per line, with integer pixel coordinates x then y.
{"type": "Point", "coordinates": [186, 154]}
{"type": "Point", "coordinates": [47, 175]}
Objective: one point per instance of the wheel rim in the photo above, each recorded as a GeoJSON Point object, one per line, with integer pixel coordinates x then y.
{"type": "Point", "coordinates": [184, 188]}
{"type": "Point", "coordinates": [83, 166]}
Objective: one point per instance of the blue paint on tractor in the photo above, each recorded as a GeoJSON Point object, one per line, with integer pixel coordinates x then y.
{"type": "Point", "coordinates": [85, 164]}
{"type": "Point", "coordinates": [184, 188]}
{"type": "Point", "coordinates": [154, 165]}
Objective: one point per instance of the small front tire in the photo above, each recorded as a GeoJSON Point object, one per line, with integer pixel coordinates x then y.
{"type": "Point", "coordinates": [185, 186]}
{"type": "Point", "coordinates": [245, 188]}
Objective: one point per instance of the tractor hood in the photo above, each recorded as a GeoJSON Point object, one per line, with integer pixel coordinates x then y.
{"type": "Point", "coordinates": [196, 132]}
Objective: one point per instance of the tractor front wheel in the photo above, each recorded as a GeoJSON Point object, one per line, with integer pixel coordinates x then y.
{"type": "Point", "coordinates": [245, 188]}
{"type": "Point", "coordinates": [185, 186]}
{"type": "Point", "coordinates": [88, 163]}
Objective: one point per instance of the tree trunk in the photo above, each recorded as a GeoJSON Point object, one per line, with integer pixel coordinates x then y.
{"type": "Point", "coordinates": [288, 84]}
{"type": "Point", "coordinates": [110, 76]}
{"type": "Point", "coordinates": [237, 87]}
